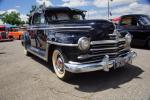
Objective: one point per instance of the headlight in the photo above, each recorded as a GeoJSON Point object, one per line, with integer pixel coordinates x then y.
{"type": "Point", "coordinates": [128, 38]}
{"type": "Point", "coordinates": [83, 43]}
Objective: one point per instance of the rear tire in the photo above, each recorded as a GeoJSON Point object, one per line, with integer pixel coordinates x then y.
{"type": "Point", "coordinates": [58, 60]}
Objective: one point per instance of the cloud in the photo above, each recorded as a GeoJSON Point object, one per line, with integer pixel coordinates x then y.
{"type": "Point", "coordinates": [75, 3]}
{"type": "Point", "coordinates": [133, 8]}
{"type": "Point", "coordinates": [12, 10]}
{"type": "Point", "coordinates": [1, 11]}
{"type": "Point", "coordinates": [104, 3]}
{"type": "Point", "coordinates": [17, 6]}
{"type": "Point", "coordinates": [9, 11]}
{"type": "Point", "coordinates": [96, 14]}
{"type": "Point", "coordinates": [24, 17]}
{"type": "Point", "coordinates": [47, 2]}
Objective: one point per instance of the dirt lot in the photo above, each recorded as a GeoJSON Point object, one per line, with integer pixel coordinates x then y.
{"type": "Point", "coordinates": [30, 78]}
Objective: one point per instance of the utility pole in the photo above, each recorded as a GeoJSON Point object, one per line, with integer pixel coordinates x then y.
{"type": "Point", "coordinates": [108, 9]}
{"type": "Point", "coordinates": [109, 12]}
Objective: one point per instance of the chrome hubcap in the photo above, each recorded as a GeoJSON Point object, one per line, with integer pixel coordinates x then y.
{"type": "Point", "coordinates": [59, 65]}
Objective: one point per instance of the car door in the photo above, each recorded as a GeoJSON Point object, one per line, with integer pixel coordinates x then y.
{"type": "Point", "coordinates": [41, 33]}
{"type": "Point", "coordinates": [130, 24]}
{"type": "Point", "coordinates": [35, 20]}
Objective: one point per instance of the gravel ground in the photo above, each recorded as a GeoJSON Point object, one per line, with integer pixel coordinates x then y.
{"type": "Point", "coordinates": [30, 78]}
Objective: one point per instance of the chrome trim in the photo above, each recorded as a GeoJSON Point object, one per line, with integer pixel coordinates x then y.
{"type": "Point", "coordinates": [107, 41]}
{"type": "Point", "coordinates": [81, 58]}
{"type": "Point", "coordinates": [62, 44]}
{"type": "Point", "coordinates": [112, 48]}
{"type": "Point", "coordinates": [56, 27]}
{"type": "Point", "coordinates": [105, 64]}
{"type": "Point", "coordinates": [112, 53]}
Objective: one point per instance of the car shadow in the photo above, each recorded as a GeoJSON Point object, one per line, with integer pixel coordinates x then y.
{"type": "Point", "coordinates": [2, 52]}
{"type": "Point", "coordinates": [42, 62]}
{"type": "Point", "coordinates": [100, 80]}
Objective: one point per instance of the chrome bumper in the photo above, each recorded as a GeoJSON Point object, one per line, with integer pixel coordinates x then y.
{"type": "Point", "coordinates": [105, 65]}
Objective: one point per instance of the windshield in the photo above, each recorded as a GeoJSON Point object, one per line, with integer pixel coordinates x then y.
{"type": "Point", "coordinates": [62, 16]}
{"type": "Point", "coordinates": [145, 20]}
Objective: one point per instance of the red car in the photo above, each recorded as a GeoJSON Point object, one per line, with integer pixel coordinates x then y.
{"type": "Point", "coordinates": [4, 34]}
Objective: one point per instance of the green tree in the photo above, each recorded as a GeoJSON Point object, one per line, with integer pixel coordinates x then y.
{"type": "Point", "coordinates": [12, 18]}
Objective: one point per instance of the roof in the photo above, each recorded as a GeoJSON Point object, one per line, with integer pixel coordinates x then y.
{"type": "Point", "coordinates": [134, 15]}
{"type": "Point", "coordinates": [64, 9]}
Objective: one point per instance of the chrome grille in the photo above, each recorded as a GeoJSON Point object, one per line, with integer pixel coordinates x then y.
{"type": "Point", "coordinates": [112, 48]}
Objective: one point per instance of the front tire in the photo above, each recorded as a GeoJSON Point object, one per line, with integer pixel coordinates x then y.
{"type": "Point", "coordinates": [58, 60]}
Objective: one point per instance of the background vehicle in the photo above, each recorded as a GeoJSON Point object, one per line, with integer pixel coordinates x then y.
{"type": "Point", "coordinates": [138, 25]}
{"type": "Point", "coordinates": [62, 36]}
{"type": "Point", "coordinates": [15, 33]}
{"type": "Point", "coordinates": [4, 33]}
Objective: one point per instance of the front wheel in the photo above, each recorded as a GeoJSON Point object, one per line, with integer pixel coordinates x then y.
{"type": "Point", "coordinates": [58, 60]}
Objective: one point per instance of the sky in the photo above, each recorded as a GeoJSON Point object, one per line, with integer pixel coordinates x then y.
{"type": "Point", "coordinates": [96, 9]}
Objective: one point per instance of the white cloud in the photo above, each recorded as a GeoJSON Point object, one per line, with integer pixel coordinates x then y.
{"type": "Point", "coordinates": [24, 17]}
{"type": "Point", "coordinates": [104, 3]}
{"type": "Point", "coordinates": [12, 10]}
{"type": "Point", "coordinates": [1, 11]}
{"type": "Point", "coordinates": [75, 3]}
{"type": "Point", "coordinates": [96, 14]}
{"type": "Point", "coordinates": [47, 2]}
{"type": "Point", "coordinates": [8, 11]}
{"type": "Point", "coordinates": [17, 6]}
{"type": "Point", "coordinates": [133, 8]}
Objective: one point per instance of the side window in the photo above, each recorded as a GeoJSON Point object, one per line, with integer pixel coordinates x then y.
{"type": "Point", "coordinates": [30, 20]}
{"type": "Point", "coordinates": [36, 18]}
{"type": "Point", "coordinates": [129, 21]}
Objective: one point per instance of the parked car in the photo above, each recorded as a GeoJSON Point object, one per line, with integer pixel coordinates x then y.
{"type": "Point", "coordinates": [15, 33]}
{"type": "Point", "coordinates": [73, 44]}
{"type": "Point", "coordinates": [138, 25]}
{"type": "Point", "coordinates": [4, 34]}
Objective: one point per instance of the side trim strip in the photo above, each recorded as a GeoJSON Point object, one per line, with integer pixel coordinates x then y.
{"type": "Point", "coordinates": [62, 44]}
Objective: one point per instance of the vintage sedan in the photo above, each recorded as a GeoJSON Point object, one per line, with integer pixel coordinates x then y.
{"type": "Point", "coordinates": [73, 44]}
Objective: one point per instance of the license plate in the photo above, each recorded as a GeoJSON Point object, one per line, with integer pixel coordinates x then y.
{"type": "Point", "coordinates": [119, 62]}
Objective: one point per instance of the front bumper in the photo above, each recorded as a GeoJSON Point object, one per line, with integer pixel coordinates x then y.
{"type": "Point", "coordinates": [105, 65]}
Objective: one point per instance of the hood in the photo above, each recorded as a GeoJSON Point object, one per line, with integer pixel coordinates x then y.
{"type": "Point", "coordinates": [97, 29]}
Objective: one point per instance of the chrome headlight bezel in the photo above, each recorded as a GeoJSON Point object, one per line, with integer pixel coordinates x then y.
{"type": "Point", "coordinates": [84, 43]}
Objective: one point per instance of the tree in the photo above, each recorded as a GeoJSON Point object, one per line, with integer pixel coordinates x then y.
{"type": "Point", "coordinates": [12, 18]}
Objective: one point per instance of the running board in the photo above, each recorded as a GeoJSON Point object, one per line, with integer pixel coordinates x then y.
{"type": "Point", "coordinates": [37, 52]}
